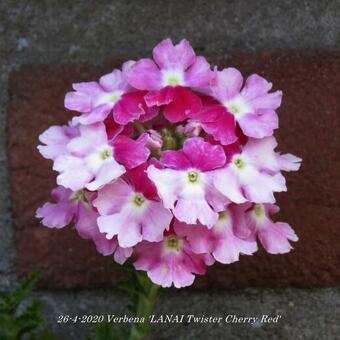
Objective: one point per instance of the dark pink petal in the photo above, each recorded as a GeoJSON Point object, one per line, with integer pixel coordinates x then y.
{"type": "Point", "coordinates": [141, 182]}
{"type": "Point", "coordinates": [204, 156]}
{"type": "Point", "coordinates": [184, 103]}
{"type": "Point", "coordinates": [175, 160]}
{"type": "Point", "coordinates": [145, 75]}
{"type": "Point", "coordinates": [218, 122]}
{"type": "Point", "coordinates": [199, 74]}
{"type": "Point", "coordinates": [129, 152]}
{"type": "Point", "coordinates": [168, 56]}
{"type": "Point", "coordinates": [161, 97]}
{"type": "Point", "coordinates": [130, 107]}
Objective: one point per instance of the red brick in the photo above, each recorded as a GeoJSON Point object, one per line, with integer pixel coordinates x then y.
{"type": "Point", "coordinates": [309, 127]}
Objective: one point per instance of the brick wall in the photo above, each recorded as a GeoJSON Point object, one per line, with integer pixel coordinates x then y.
{"type": "Point", "coordinates": [309, 127]}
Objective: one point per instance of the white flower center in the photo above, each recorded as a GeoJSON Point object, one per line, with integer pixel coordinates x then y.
{"type": "Point", "coordinates": [239, 162]}
{"type": "Point", "coordinates": [138, 200]}
{"type": "Point", "coordinates": [108, 98]}
{"type": "Point", "coordinates": [173, 244]}
{"type": "Point", "coordinates": [237, 106]}
{"type": "Point", "coordinates": [96, 159]}
{"type": "Point", "coordinates": [173, 77]}
{"type": "Point", "coordinates": [259, 214]}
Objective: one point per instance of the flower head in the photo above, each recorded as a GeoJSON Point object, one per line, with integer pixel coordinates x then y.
{"type": "Point", "coordinates": [170, 164]}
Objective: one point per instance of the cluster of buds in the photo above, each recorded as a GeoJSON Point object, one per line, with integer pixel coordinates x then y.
{"type": "Point", "coordinates": [170, 163]}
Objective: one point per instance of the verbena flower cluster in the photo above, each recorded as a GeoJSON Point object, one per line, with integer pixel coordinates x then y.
{"type": "Point", "coordinates": [170, 162]}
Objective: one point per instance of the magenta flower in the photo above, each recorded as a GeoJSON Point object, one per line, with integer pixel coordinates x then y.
{"type": "Point", "coordinates": [254, 173]}
{"type": "Point", "coordinates": [185, 185]}
{"type": "Point", "coordinates": [111, 94]}
{"type": "Point", "coordinates": [171, 261]}
{"type": "Point", "coordinates": [132, 210]}
{"type": "Point", "coordinates": [220, 241]}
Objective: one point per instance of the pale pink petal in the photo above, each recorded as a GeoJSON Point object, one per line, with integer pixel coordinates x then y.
{"type": "Point", "coordinates": [167, 184]}
{"type": "Point", "coordinates": [122, 254]}
{"type": "Point", "coordinates": [68, 166]}
{"type": "Point", "coordinates": [155, 220]}
{"type": "Point", "coordinates": [259, 125]}
{"type": "Point", "coordinates": [275, 236]}
{"type": "Point", "coordinates": [91, 88]}
{"type": "Point", "coordinates": [145, 75]}
{"type": "Point", "coordinates": [194, 211]}
{"type": "Point", "coordinates": [229, 248]}
{"type": "Point", "coordinates": [109, 171]}
{"type": "Point", "coordinates": [199, 74]}
{"type": "Point", "coordinates": [112, 197]}
{"type": "Point", "coordinates": [114, 81]}
{"type": "Point", "coordinates": [261, 188]}
{"type": "Point", "coordinates": [168, 56]}
{"type": "Point", "coordinates": [261, 153]}
{"type": "Point", "coordinates": [226, 182]}
{"type": "Point", "coordinates": [77, 101]}
{"type": "Point", "coordinates": [255, 87]}
{"type": "Point", "coordinates": [98, 114]}
{"type": "Point", "coordinates": [182, 277]}
{"type": "Point", "coordinates": [226, 84]}
{"type": "Point", "coordinates": [289, 162]}
{"type": "Point", "coordinates": [56, 139]}
{"type": "Point", "coordinates": [59, 214]}
{"type": "Point", "coordinates": [91, 136]}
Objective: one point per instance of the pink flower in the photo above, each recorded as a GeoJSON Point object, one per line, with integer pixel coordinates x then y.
{"type": "Point", "coordinates": [93, 158]}
{"type": "Point", "coordinates": [61, 213]}
{"type": "Point", "coordinates": [87, 228]}
{"type": "Point", "coordinates": [112, 94]}
{"type": "Point", "coordinates": [132, 210]}
{"type": "Point", "coordinates": [56, 139]}
{"type": "Point", "coordinates": [171, 261]}
{"type": "Point", "coordinates": [185, 185]}
{"type": "Point", "coordinates": [220, 240]}
{"type": "Point", "coordinates": [254, 173]}
{"type": "Point", "coordinates": [253, 108]}
{"type": "Point", "coordinates": [173, 68]}
{"type": "Point", "coordinates": [274, 236]}
{"type": "Point", "coordinates": [76, 206]}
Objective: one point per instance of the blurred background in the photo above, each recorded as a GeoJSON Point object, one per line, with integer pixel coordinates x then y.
{"type": "Point", "coordinates": [46, 45]}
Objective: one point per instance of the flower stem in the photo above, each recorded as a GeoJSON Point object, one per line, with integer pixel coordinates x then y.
{"type": "Point", "coordinates": [145, 304]}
